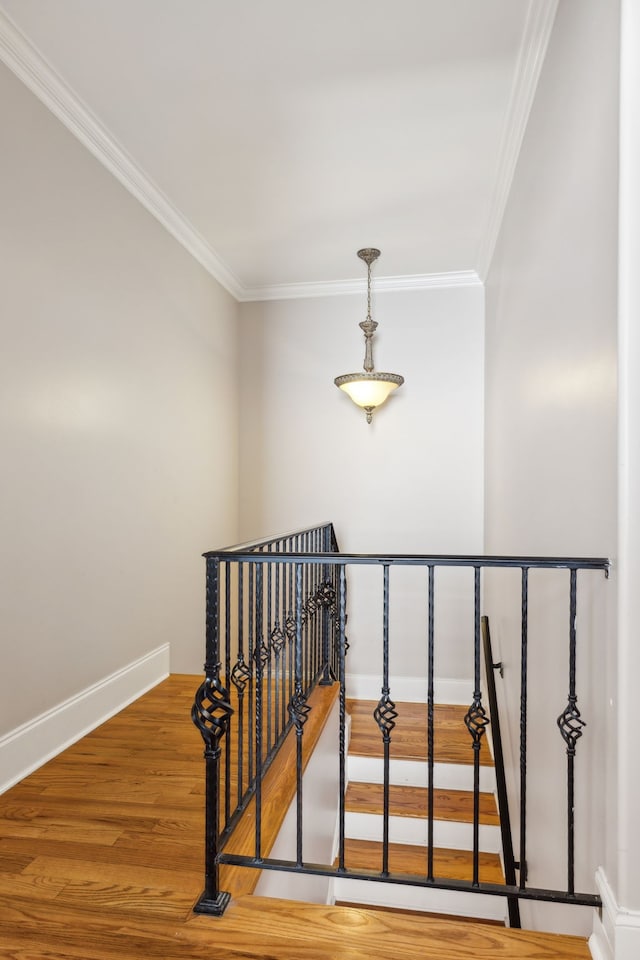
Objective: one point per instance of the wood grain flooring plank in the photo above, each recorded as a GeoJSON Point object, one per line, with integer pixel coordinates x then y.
{"type": "Point", "coordinates": [74, 831]}
{"type": "Point", "coordinates": [259, 929]}
{"type": "Point", "coordinates": [73, 896]}
{"type": "Point", "coordinates": [14, 863]}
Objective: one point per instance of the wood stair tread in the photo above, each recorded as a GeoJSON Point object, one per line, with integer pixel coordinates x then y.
{"type": "Point", "coordinates": [290, 930]}
{"type": "Point", "coordinates": [412, 859]}
{"type": "Point", "coordinates": [452, 740]}
{"type": "Point", "coordinates": [410, 801]}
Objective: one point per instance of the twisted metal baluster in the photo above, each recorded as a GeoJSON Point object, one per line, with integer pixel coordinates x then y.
{"type": "Point", "coordinates": [343, 725]}
{"type": "Point", "coordinates": [524, 658]}
{"type": "Point", "coordinates": [385, 716]}
{"type": "Point", "coordinates": [430, 721]}
{"type": "Point", "coordinates": [571, 726]}
{"type": "Point", "coordinates": [227, 684]}
{"type": "Point", "coordinates": [269, 660]}
{"type": "Point", "coordinates": [326, 597]}
{"type": "Point", "coordinates": [211, 713]}
{"type": "Point", "coordinates": [298, 711]}
{"type": "Point", "coordinates": [261, 655]}
{"type": "Point", "coordinates": [276, 642]}
{"type": "Point", "coordinates": [476, 721]}
{"type": "Point", "coordinates": [240, 677]}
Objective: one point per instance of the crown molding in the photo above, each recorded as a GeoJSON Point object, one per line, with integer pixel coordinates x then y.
{"type": "Point", "coordinates": [541, 15]}
{"type": "Point", "coordinates": [28, 64]}
{"type": "Point", "coordinates": [338, 288]}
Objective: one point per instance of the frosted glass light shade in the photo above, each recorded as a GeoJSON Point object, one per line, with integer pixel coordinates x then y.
{"type": "Point", "coordinates": [369, 390]}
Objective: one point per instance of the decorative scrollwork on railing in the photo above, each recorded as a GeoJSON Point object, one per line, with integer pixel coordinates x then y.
{"type": "Point", "coordinates": [261, 655]}
{"type": "Point", "coordinates": [211, 713]}
{"type": "Point", "coordinates": [299, 710]}
{"type": "Point", "coordinates": [571, 725]}
{"type": "Point", "coordinates": [326, 595]}
{"type": "Point", "coordinates": [290, 627]}
{"type": "Point", "coordinates": [476, 721]}
{"type": "Point", "coordinates": [310, 607]}
{"type": "Point", "coordinates": [277, 639]}
{"type": "Point", "coordinates": [346, 639]}
{"type": "Point", "coordinates": [385, 715]}
{"type": "Point", "coordinates": [241, 674]}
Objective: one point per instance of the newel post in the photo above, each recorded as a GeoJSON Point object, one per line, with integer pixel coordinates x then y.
{"type": "Point", "coordinates": [211, 713]}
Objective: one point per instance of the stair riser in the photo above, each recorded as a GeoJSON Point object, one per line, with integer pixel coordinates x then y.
{"type": "Point", "coordinates": [447, 776]}
{"type": "Point", "coordinates": [418, 898]}
{"type": "Point", "coordinates": [450, 834]}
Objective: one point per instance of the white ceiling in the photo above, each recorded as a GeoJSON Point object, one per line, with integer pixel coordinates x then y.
{"type": "Point", "coordinates": [276, 137]}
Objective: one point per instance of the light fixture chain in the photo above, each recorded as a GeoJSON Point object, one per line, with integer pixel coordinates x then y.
{"type": "Point", "coordinates": [370, 389]}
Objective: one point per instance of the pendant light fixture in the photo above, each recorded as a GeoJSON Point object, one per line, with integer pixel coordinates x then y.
{"type": "Point", "coordinates": [369, 389]}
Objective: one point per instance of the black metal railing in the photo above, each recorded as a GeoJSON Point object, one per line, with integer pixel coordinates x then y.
{"type": "Point", "coordinates": [270, 637]}
{"type": "Point", "coordinates": [276, 626]}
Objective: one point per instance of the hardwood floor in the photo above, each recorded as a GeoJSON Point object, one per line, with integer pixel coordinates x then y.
{"type": "Point", "coordinates": [101, 859]}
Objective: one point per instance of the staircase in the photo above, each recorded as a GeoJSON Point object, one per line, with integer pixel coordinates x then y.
{"type": "Point", "coordinates": [408, 806]}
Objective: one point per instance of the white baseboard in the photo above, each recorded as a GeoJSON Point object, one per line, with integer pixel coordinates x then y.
{"type": "Point", "coordinates": [30, 745]}
{"type": "Point", "coordinates": [361, 686]}
{"type": "Point", "coordinates": [616, 932]}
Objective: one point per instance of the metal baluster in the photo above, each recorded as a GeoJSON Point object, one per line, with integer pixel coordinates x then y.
{"type": "Point", "coordinates": [212, 713]}
{"type": "Point", "coordinates": [277, 639]}
{"type": "Point", "coordinates": [269, 661]}
{"type": "Point", "coordinates": [343, 725]}
{"type": "Point", "coordinates": [283, 652]}
{"type": "Point", "coordinates": [299, 710]}
{"type": "Point", "coordinates": [260, 661]}
{"type": "Point", "coordinates": [430, 725]}
{"type": "Point", "coordinates": [240, 676]}
{"type": "Point", "coordinates": [524, 642]}
{"type": "Point", "coordinates": [250, 656]}
{"type": "Point", "coordinates": [227, 683]}
{"type": "Point", "coordinates": [313, 640]}
{"type": "Point", "coordinates": [385, 716]}
{"type": "Point", "coordinates": [476, 720]}
{"type": "Point", "coordinates": [290, 627]}
{"type": "Point", "coordinates": [327, 588]}
{"type": "Point", "coordinates": [307, 615]}
{"type": "Point", "coordinates": [571, 726]}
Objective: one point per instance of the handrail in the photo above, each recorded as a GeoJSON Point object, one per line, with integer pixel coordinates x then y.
{"type": "Point", "coordinates": [415, 559]}
{"type": "Point", "coordinates": [501, 781]}
{"type": "Point", "coordinates": [252, 545]}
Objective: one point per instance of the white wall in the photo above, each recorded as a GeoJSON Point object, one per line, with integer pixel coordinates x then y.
{"type": "Point", "coordinates": [551, 419]}
{"type": "Point", "coordinates": [118, 422]}
{"type": "Point", "coordinates": [619, 934]}
{"type": "Point", "coordinates": [320, 792]}
{"type": "Point", "coordinates": [411, 482]}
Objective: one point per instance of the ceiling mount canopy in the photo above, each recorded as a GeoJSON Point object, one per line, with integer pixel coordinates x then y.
{"type": "Point", "coordinates": [369, 389]}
